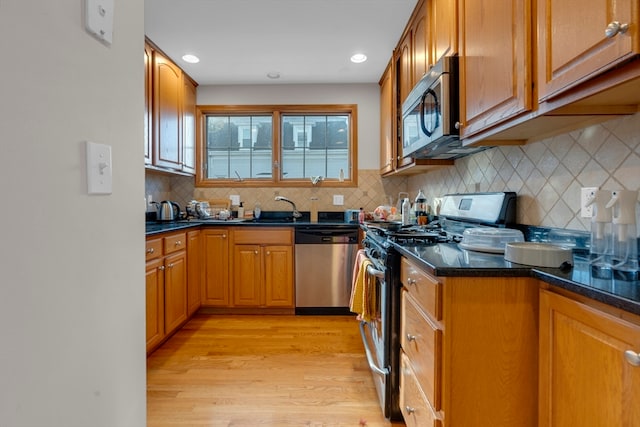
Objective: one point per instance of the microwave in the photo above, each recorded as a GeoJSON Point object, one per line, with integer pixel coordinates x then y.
{"type": "Point", "coordinates": [430, 115]}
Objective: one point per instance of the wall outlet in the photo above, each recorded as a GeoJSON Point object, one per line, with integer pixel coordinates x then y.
{"type": "Point", "coordinates": [338, 200]}
{"type": "Point", "coordinates": [586, 195]}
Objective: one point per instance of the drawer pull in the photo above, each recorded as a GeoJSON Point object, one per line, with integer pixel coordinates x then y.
{"type": "Point", "coordinates": [171, 265]}
{"type": "Point", "coordinates": [411, 281]}
{"type": "Point", "coordinates": [632, 357]}
{"type": "Point", "coordinates": [615, 28]}
{"type": "Point", "coordinates": [178, 242]}
{"type": "Point", "coordinates": [411, 337]}
{"type": "Point", "coordinates": [161, 268]}
{"type": "Point", "coordinates": [410, 409]}
{"type": "Point", "coordinates": [150, 250]}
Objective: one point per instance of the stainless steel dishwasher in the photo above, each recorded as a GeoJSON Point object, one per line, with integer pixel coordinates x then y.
{"type": "Point", "coordinates": [324, 259]}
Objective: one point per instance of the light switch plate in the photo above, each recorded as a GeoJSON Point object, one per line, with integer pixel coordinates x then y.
{"type": "Point", "coordinates": [338, 200]}
{"type": "Point", "coordinates": [235, 199]}
{"type": "Point", "coordinates": [99, 19]}
{"type": "Point", "coordinates": [99, 168]}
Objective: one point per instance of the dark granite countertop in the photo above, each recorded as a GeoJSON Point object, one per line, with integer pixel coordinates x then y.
{"type": "Point", "coordinates": [447, 259]}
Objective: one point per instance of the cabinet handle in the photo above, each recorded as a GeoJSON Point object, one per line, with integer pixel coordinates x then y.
{"type": "Point", "coordinates": [150, 250]}
{"type": "Point", "coordinates": [615, 28]}
{"type": "Point", "coordinates": [224, 236]}
{"type": "Point", "coordinates": [178, 242]}
{"type": "Point", "coordinates": [632, 357]}
{"type": "Point", "coordinates": [268, 252]}
{"type": "Point", "coordinates": [161, 268]}
{"type": "Point", "coordinates": [410, 409]}
{"type": "Point", "coordinates": [255, 252]}
{"type": "Point", "coordinates": [411, 281]}
{"type": "Point", "coordinates": [458, 125]}
{"type": "Point", "coordinates": [411, 337]}
{"type": "Point", "coordinates": [170, 265]}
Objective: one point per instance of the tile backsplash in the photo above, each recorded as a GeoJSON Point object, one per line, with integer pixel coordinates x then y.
{"type": "Point", "coordinates": [547, 176]}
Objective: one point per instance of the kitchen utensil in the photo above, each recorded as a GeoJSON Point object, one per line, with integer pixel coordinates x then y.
{"type": "Point", "coordinates": [168, 211]}
{"type": "Point", "coordinates": [538, 254]}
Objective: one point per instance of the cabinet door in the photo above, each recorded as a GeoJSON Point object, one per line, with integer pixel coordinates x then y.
{"type": "Point", "coordinates": [194, 270]}
{"type": "Point", "coordinates": [247, 275]}
{"type": "Point", "coordinates": [175, 291]}
{"type": "Point", "coordinates": [404, 69]}
{"type": "Point", "coordinates": [495, 62]}
{"type": "Point", "coordinates": [189, 126]}
{"type": "Point", "coordinates": [154, 303]}
{"type": "Point", "coordinates": [215, 289]}
{"type": "Point", "coordinates": [278, 267]}
{"type": "Point", "coordinates": [387, 122]}
{"type": "Point", "coordinates": [148, 91]}
{"type": "Point", "coordinates": [572, 42]}
{"type": "Point", "coordinates": [167, 116]}
{"type": "Point", "coordinates": [421, 45]}
{"type": "Point", "coordinates": [444, 29]}
{"type": "Point", "coordinates": [584, 377]}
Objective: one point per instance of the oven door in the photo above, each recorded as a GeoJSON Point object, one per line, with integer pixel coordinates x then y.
{"type": "Point", "coordinates": [375, 338]}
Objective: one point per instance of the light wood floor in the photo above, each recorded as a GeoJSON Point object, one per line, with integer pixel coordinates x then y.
{"type": "Point", "coordinates": [263, 371]}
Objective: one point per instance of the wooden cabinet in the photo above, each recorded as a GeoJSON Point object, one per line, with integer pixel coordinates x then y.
{"type": "Point", "coordinates": [586, 379]}
{"type": "Point", "coordinates": [166, 286]}
{"type": "Point", "coordinates": [469, 350]}
{"type": "Point", "coordinates": [388, 121]}
{"type": "Point", "coordinates": [194, 270]}
{"type": "Point", "coordinates": [154, 299]}
{"type": "Point", "coordinates": [263, 267]}
{"type": "Point", "coordinates": [444, 29]}
{"type": "Point", "coordinates": [170, 127]}
{"type": "Point", "coordinates": [573, 41]}
{"type": "Point", "coordinates": [495, 62]}
{"type": "Point", "coordinates": [215, 288]}
{"type": "Point", "coordinates": [420, 42]}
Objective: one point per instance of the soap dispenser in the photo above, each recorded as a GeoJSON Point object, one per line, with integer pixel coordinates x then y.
{"type": "Point", "coordinates": [625, 232]}
{"type": "Point", "coordinates": [601, 248]}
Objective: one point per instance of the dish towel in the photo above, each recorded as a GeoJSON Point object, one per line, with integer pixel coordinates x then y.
{"type": "Point", "coordinates": [363, 296]}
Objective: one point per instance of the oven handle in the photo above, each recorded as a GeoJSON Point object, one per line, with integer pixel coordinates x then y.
{"type": "Point", "coordinates": [375, 272]}
{"type": "Point", "coordinates": [367, 351]}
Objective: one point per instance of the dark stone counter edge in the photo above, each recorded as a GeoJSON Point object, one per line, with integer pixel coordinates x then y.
{"type": "Point", "coordinates": [548, 275]}
{"type": "Point", "coordinates": [153, 228]}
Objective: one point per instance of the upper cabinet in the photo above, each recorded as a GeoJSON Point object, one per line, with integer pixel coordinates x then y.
{"type": "Point", "coordinates": [576, 43]}
{"type": "Point", "coordinates": [388, 125]}
{"type": "Point", "coordinates": [173, 100]}
{"type": "Point", "coordinates": [444, 29]}
{"type": "Point", "coordinates": [148, 91]}
{"type": "Point", "coordinates": [495, 62]}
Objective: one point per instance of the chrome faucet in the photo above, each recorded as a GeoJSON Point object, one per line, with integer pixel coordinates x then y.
{"type": "Point", "coordinates": [296, 214]}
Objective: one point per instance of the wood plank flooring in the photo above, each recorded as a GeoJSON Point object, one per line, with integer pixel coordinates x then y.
{"type": "Point", "coordinates": [263, 371]}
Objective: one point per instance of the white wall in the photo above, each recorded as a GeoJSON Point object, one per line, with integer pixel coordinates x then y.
{"type": "Point", "coordinates": [72, 350]}
{"type": "Point", "coordinates": [366, 96]}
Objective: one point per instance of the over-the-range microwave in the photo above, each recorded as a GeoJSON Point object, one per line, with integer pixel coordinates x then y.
{"type": "Point", "coordinates": [430, 115]}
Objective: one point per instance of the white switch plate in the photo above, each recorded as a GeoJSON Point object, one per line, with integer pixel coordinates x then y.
{"type": "Point", "coordinates": [235, 199]}
{"type": "Point", "coordinates": [338, 199]}
{"type": "Point", "coordinates": [98, 18]}
{"type": "Point", "coordinates": [585, 197]}
{"type": "Point", "coordinates": [99, 170]}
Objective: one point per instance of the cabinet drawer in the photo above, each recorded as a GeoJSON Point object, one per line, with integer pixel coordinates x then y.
{"type": "Point", "coordinates": [414, 406]}
{"type": "Point", "coordinates": [421, 340]}
{"type": "Point", "coordinates": [175, 242]}
{"type": "Point", "coordinates": [263, 236]}
{"type": "Point", "coordinates": [153, 248]}
{"type": "Point", "coordinates": [426, 290]}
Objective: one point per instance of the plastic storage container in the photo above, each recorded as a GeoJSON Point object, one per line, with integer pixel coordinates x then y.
{"type": "Point", "coordinates": [489, 239]}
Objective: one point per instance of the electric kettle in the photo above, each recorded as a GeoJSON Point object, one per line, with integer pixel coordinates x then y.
{"type": "Point", "coordinates": [168, 211]}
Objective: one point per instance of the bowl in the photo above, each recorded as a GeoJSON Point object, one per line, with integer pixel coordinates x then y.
{"type": "Point", "coordinates": [538, 254]}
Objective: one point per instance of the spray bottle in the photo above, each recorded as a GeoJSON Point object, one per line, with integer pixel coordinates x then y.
{"type": "Point", "coordinates": [601, 234]}
{"type": "Point", "coordinates": [625, 232]}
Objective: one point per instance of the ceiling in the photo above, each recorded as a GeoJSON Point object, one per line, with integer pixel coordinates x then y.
{"type": "Point", "coordinates": [304, 41]}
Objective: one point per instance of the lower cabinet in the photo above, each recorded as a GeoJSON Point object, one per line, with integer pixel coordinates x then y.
{"type": "Point", "coordinates": [215, 286]}
{"type": "Point", "coordinates": [469, 350]}
{"type": "Point", "coordinates": [589, 365]}
{"type": "Point", "coordinates": [263, 267]}
{"type": "Point", "coordinates": [166, 286]}
{"type": "Point", "coordinates": [194, 270]}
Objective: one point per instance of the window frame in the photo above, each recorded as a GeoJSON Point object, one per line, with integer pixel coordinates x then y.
{"type": "Point", "coordinates": [276, 112]}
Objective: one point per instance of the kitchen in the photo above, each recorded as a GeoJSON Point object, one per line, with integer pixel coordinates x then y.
{"type": "Point", "coordinates": [73, 327]}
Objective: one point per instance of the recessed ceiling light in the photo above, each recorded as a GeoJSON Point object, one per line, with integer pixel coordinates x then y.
{"type": "Point", "coordinates": [273, 75]}
{"type": "Point", "coordinates": [191, 59]}
{"type": "Point", "coordinates": [358, 58]}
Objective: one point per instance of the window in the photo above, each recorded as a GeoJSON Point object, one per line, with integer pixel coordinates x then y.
{"type": "Point", "coordinates": [261, 146]}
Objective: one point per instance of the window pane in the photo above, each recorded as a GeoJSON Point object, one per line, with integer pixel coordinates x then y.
{"type": "Point", "coordinates": [315, 145]}
{"type": "Point", "coordinates": [238, 147]}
